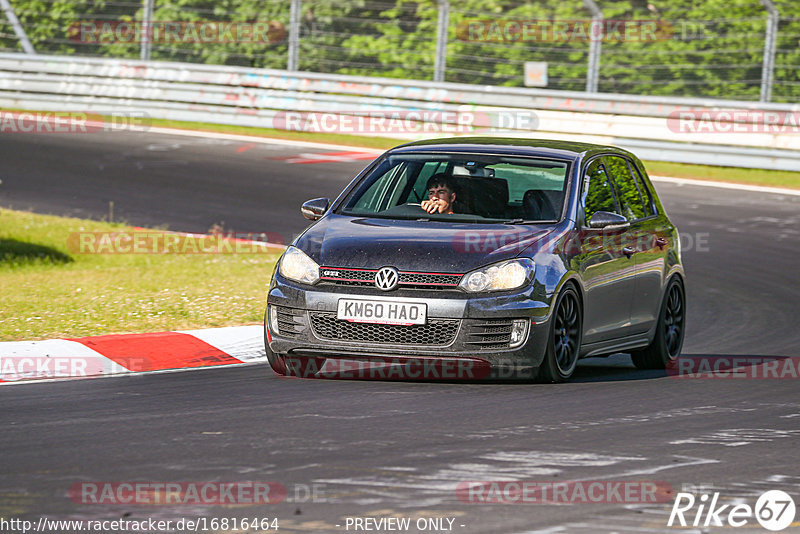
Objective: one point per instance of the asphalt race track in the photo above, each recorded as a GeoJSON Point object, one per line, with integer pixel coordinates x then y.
{"type": "Point", "coordinates": [380, 449]}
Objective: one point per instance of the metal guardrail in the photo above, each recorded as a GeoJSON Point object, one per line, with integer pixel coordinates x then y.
{"type": "Point", "coordinates": [261, 97]}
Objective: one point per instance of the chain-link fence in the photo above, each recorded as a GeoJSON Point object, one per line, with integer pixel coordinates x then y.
{"type": "Point", "coordinates": [740, 49]}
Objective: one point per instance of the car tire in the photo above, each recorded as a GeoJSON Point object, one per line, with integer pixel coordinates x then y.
{"type": "Point", "coordinates": [564, 344]}
{"type": "Point", "coordinates": [277, 364]}
{"type": "Point", "coordinates": [668, 340]}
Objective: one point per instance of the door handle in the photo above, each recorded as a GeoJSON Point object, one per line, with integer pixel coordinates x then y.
{"type": "Point", "coordinates": [628, 251]}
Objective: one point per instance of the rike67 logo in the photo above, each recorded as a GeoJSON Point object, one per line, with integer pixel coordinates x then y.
{"type": "Point", "coordinates": [774, 510]}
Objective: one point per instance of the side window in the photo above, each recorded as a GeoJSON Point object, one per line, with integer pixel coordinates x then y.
{"type": "Point", "coordinates": [376, 197]}
{"type": "Point", "coordinates": [629, 197]}
{"type": "Point", "coordinates": [649, 205]}
{"type": "Point", "coordinates": [599, 195]}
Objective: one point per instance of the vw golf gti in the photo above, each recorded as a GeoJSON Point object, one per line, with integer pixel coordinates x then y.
{"type": "Point", "coordinates": [472, 258]}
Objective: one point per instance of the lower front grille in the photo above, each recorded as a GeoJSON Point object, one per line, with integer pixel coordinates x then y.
{"type": "Point", "coordinates": [289, 321]}
{"type": "Point", "coordinates": [489, 334]}
{"type": "Point", "coordinates": [436, 332]}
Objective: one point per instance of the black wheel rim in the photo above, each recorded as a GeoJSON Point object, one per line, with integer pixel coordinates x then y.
{"type": "Point", "coordinates": [567, 333]}
{"type": "Point", "coordinates": [673, 321]}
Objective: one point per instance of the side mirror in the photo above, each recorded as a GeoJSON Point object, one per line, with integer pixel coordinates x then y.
{"type": "Point", "coordinates": [314, 209]}
{"type": "Point", "coordinates": [606, 219]}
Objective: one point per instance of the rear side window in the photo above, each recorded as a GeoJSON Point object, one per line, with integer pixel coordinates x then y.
{"type": "Point", "coordinates": [647, 197]}
{"type": "Point", "coordinates": [630, 198]}
{"type": "Point", "coordinates": [599, 195]}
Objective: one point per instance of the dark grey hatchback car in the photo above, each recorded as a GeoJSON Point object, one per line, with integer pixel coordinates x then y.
{"type": "Point", "coordinates": [552, 251]}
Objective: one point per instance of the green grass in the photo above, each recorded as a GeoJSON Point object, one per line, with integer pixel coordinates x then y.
{"type": "Point", "coordinates": [724, 174]}
{"type": "Point", "coordinates": [51, 290]}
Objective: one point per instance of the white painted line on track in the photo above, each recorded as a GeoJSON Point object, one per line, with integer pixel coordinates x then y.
{"type": "Point", "coordinates": [263, 140]}
{"type": "Point", "coordinates": [331, 146]}
{"type": "Point", "coordinates": [727, 185]}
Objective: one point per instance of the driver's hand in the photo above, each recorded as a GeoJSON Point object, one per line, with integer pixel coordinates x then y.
{"type": "Point", "coordinates": [433, 205]}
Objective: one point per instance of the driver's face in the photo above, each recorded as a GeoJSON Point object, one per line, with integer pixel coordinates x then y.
{"type": "Point", "coordinates": [442, 192]}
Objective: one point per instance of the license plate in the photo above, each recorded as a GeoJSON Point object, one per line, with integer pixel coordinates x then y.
{"type": "Point", "coordinates": [381, 312]}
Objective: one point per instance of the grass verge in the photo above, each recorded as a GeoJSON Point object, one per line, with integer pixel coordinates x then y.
{"type": "Point", "coordinates": [51, 290]}
{"type": "Point", "coordinates": [736, 175]}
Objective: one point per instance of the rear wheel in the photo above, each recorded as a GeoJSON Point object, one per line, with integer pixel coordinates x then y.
{"type": "Point", "coordinates": [668, 341]}
{"type": "Point", "coordinates": [566, 330]}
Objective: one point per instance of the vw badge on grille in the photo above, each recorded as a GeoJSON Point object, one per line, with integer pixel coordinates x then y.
{"type": "Point", "coordinates": [386, 278]}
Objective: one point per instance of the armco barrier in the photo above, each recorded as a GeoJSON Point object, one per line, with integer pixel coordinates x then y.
{"type": "Point", "coordinates": [256, 97]}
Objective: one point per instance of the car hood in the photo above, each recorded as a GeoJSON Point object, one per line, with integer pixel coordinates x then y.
{"type": "Point", "coordinates": [424, 246]}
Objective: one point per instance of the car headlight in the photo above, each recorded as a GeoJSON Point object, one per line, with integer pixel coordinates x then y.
{"type": "Point", "coordinates": [499, 276]}
{"type": "Point", "coordinates": [295, 265]}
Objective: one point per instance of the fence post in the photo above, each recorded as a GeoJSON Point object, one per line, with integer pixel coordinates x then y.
{"type": "Point", "coordinates": [768, 65]}
{"type": "Point", "coordinates": [442, 23]}
{"type": "Point", "coordinates": [27, 47]}
{"type": "Point", "coordinates": [146, 42]}
{"type": "Point", "coordinates": [595, 42]}
{"type": "Point", "coordinates": [294, 35]}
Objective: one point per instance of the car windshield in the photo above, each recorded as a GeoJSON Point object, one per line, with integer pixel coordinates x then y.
{"type": "Point", "coordinates": [469, 187]}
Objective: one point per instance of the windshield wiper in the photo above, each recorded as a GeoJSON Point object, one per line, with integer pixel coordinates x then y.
{"type": "Point", "coordinates": [513, 221]}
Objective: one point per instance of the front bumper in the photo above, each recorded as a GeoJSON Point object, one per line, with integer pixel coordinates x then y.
{"type": "Point", "coordinates": [466, 347]}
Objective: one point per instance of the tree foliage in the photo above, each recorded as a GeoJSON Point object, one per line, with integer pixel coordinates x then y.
{"type": "Point", "coordinates": [712, 48]}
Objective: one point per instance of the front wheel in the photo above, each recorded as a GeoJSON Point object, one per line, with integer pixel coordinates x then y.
{"type": "Point", "coordinates": [668, 341]}
{"type": "Point", "coordinates": [564, 345]}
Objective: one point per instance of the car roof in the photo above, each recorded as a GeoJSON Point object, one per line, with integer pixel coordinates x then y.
{"type": "Point", "coordinates": [510, 145]}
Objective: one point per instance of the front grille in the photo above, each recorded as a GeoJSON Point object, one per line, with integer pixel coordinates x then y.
{"type": "Point", "coordinates": [488, 334]}
{"type": "Point", "coordinates": [408, 279]}
{"type": "Point", "coordinates": [347, 275]}
{"type": "Point", "coordinates": [289, 321]}
{"type": "Point", "coordinates": [430, 279]}
{"type": "Point", "coordinates": [435, 332]}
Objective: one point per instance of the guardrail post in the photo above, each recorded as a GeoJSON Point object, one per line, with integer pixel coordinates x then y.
{"type": "Point", "coordinates": [595, 42]}
{"type": "Point", "coordinates": [442, 24]}
{"type": "Point", "coordinates": [146, 42]}
{"type": "Point", "coordinates": [27, 47]}
{"type": "Point", "coordinates": [768, 65]}
{"type": "Point", "coordinates": [294, 35]}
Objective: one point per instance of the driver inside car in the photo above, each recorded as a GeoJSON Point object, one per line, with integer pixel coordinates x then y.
{"type": "Point", "coordinates": [441, 194]}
